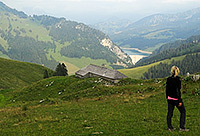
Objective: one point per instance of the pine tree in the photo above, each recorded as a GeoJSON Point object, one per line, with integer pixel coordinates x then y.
{"type": "Point", "coordinates": [61, 70]}
{"type": "Point", "coordinates": [64, 70]}
{"type": "Point", "coordinates": [46, 75]}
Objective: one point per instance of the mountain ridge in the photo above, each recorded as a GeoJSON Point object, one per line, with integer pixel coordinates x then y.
{"type": "Point", "coordinates": [51, 40]}
{"type": "Point", "coordinates": [153, 31]}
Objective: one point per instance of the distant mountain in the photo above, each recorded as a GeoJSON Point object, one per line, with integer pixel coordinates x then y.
{"type": "Point", "coordinates": [48, 40]}
{"type": "Point", "coordinates": [15, 74]}
{"type": "Point", "coordinates": [111, 26]}
{"type": "Point", "coordinates": [153, 31]}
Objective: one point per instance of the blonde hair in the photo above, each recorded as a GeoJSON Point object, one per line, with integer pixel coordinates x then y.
{"type": "Point", "coordinates": [175, 71]}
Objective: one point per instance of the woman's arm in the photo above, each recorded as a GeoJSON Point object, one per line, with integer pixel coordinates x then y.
{"type": "Point", "coordinates": [179, 91]}
{"type": "Point", "coordinates": [167, 89]}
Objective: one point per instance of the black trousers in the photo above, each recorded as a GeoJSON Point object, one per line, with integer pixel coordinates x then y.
{"type": "Point", "coordinates": [171, 105]}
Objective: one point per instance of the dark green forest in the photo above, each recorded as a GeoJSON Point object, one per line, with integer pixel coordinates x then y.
{"type": "Point", "coordinates": [27, 49]}
{"type": "Point", "coordinates": [189, 64]}
{"type": "Point", "coordinates": [178, 48]}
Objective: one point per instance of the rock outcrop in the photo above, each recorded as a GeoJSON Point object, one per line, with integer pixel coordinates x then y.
{"type": "Point", "coordinates": [119, 53]}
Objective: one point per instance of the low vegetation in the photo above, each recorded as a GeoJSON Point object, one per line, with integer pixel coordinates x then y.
{"type": "Point", "coordinates": [72, 106]}
{"type": "Point", "coordinates": [15, 74]}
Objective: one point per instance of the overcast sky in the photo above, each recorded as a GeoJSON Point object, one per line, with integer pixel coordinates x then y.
{"type": "Point", "coordinates": [93, 11]}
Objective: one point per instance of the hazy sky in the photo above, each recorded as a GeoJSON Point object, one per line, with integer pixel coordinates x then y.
{"type": "Point", "coordinates": [92, 11]}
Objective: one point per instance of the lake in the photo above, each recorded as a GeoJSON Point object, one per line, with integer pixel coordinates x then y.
{"type": "Point", "coordinates": [136, 54]}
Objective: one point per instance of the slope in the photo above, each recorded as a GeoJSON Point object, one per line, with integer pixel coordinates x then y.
{"type": "Point", "coordinates": [15, 74]}
{"type": "Point", "coordinates": [48, 40]}
{"type": "Point", "coordinates": [132, 107]}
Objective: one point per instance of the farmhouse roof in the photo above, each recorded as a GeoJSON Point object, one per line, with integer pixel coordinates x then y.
{"type": "Point", "coordinates": [101, 71]}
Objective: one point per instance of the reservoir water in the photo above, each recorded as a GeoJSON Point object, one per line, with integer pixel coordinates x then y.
{"type": "Point", "coordinates": [136, 54]}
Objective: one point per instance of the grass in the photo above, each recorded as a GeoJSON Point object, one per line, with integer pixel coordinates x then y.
{"type": "Point", "coordinates": [72, 88]}
{"type": "Point", "coordinates": [131, 107]}
{"type": "Point", "coordinates": [15, 74]}
{"type": "Point", "coordinates": [73, 64]}
{"type": "Point", "coordinates": [72, 106]}
{"type": "Point", "coordinates": [32, 29]}
{"type": "Point", "coordinates": [138, 72]}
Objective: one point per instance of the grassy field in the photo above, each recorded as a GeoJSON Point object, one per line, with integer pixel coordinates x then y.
{"type": "Point", "coordinates": [71, 106]}
{"type": "Point", "coordinates": [138, 72]}
{"type": "Point", "coordinates": [29, 27]}
{"type": "Point", "coordinates": [15, 74]}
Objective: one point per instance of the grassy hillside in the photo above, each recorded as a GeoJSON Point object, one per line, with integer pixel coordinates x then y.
{"type": "Point", "coordinates": [138, 72]}
{"type": "Point", "coordinates": [15, 74]}
{"type": "Point", "coordinates": [71, 106]}
{"type": "Point", "coordinates": [48, 40]}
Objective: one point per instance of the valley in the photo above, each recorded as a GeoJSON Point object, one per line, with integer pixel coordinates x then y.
{"type": "Point", "coordinates": [36, 100]}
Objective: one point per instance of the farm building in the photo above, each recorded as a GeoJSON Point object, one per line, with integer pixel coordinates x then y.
{"type": "Point", "coordinates": [100, 71]}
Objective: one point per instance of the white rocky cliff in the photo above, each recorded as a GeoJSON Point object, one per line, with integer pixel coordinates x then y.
{"type": "Point", "coordinates": [106, 42]}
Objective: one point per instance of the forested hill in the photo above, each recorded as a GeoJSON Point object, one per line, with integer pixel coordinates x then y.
{"type": "Point", "coordinates": [178, 48]}
{"type": "Point", "coordinates": [189, 64]}
{"type": "Point", "coordinates": [49, 40]}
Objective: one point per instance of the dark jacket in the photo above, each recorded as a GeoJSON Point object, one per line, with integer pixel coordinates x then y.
{"type": "Point", "coordinates": [173, 87]}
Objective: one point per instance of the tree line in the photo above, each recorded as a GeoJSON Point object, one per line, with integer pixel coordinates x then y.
{"type": "Point", "coordinates": [189, 64]}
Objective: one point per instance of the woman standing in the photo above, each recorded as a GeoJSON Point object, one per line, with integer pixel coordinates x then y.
{"type": "Point", "coordinates": [173, 95]}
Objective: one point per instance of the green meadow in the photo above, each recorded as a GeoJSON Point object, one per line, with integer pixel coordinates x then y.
{"type": "Point", "coordinates": [15, 74]}
{"type": "Point", "coordinates": [72, 106]}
